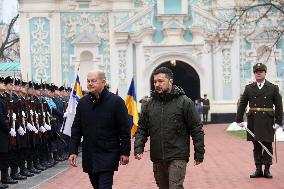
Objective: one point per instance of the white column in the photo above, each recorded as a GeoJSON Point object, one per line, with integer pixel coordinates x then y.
{"type": "Point", "coordinates": [129, 63]}
{"type": "Point", "coordinates": [235, 60]}
{"type": "Point", "coordinates": [218, 75]}
{"type": "Point", "coordinates": [25, 45]}
{"type": "Point", "coordinates": [142, 88]}
{"type": "Point", "coordinates": [55, 48]}
{"type": "Point", "coordinates": [113, 56]}
{"type": "Point", "coordinates": [206, 77]}
{"type": "Point", "coordinates": [125, 66]}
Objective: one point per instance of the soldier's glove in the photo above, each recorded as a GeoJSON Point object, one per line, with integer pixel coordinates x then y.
{"type": "Point", "coordinates": [23, 114]}
{"type": "Point", "coordinates": [47, 127]}
{"type": "Point", "coordinates": [42, 129]}
{"type": "Point", "coordinates": [65, 114]}
{"type": "Point", "coordinates": [241, 124]}
{"type": "Point", "coordinates": [30, 126]}
{"type": "Point", "coordinates": [21, 131]}
{"type": "Point", "coordinates": [275, 126]}
{"type": "Point", "coordinates": [14, 116]}
{"type": "Point", "coordinates": [13, 132]}
{"type": "Point", "coordinates": [35, 130]}
{"type": "Point", "coordinates": [31, 112]}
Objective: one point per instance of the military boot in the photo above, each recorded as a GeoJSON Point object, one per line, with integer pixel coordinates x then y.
{"type": "Point", "coordinates": [38, 166]}
{"type": "Point", "coordinates": [258, 172]}
{"type": "Point", "coordinates": [3, 186]}
{"type": "Point", "coordinates": [267, 173]}
{"type": "Point", "coordinates": [50, 158]}
{"type": "Point", "coordinates": [15, 175]}
{"type": "Point", "coordinates": [24, 171]}
{"type": "Point", "coordinates": [31, 168]}
{"type": "Point", "coordinates": [55, 157]}
{"type": "Point", "coordinates": [6, 179]}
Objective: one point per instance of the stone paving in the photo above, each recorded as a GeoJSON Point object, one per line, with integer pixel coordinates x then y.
{"type": "Point", "coordinates": [227, 165]}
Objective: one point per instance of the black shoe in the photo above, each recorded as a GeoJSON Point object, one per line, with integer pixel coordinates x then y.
{"type": "Point", "coordinates": [267, 173]}
{"type": "Point", "coordinates": [51, 161]}
{"type": "Point", "coordinates": [65, 156]}
{"type": "Point", "coordinates": [3, 186]}
{"type": "Point", "coordinates": [44, 167]}
{"type": "Point", "coordinates": [47, 164]}
{"type": "Point", "coordinates": [59, 158]}
{"type": "Point", "coordinates": [26, 173]}
{"type": "Point", "coordinates": [35, 171]}
{"type": "Point", "coordinates": [17, 176]}
{"type": "Point", "coordinates": [9, 180]}
{"type": "Point", "coordinates": [39, 167]}
{"type": "Point", "coordinates": [258, 172]}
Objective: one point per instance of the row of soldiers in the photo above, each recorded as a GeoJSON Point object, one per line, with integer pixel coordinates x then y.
{"type": "Point", "coordinates": [31, 117]}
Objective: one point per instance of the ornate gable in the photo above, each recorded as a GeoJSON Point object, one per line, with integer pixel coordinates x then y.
{"type": "Point", "coordinates": [86, 38]}
{"type": "Point", "coordinates": [204, 19]}
{"type": "Point", "coordinates": [137, 22]}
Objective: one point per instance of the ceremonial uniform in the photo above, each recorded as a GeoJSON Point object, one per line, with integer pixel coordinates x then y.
{"type": "Point", "coordinates": [261, 117]}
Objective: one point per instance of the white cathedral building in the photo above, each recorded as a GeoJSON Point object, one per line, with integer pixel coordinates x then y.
{"type": "Point", "coordinates": [131, 38]}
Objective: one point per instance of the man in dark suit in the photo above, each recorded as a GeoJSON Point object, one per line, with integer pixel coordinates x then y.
{"type": "Point", "coordinates": [102, 119]}
{"type": "Point", "coordinates": [262, 118]}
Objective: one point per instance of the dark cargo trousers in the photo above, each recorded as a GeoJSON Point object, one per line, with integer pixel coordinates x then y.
{"type": "Point", "coordinates": [170, 174]}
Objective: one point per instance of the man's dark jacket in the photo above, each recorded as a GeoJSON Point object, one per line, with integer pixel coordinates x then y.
{"type": "Point", "coordinates": [261, 122]}
{"type": "Point", "coordinates": [170, 119]}
{"type": "Point", "coordinates": [104, 125]}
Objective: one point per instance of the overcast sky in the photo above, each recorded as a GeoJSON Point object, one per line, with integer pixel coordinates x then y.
{"type": "Point", "coordinates": [9, 9]}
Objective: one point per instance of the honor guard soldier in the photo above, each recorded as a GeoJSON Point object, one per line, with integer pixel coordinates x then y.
{"type": "Point", "coordinates": [4, 135]}
{"type": "Point", "coordinates": [263, 118]}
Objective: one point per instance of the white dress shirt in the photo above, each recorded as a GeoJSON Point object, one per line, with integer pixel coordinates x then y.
{"type": "Point", "coordinates": [260, 85]}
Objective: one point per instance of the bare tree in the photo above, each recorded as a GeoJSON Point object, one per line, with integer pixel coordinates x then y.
{"type": "Point", "coordinates": [9, 41]}
{"type": "Point", "coordinates": [265, 17]}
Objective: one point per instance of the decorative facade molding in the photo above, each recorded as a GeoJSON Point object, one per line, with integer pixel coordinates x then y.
{"type": "Point", "coordinates": [122, 72]}
{"type": "Point", "coordinates": [40, 49]}
{"type": "Point", "coordinates": [227, 68]}
{"type": "Point", "coordinates": [91, 27]}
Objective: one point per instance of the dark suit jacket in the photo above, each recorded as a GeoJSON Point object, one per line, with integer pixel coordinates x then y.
{"type": "Point", "coordinates": [104, 125]}
{"type": "Point", "coordinates": [261, 122]}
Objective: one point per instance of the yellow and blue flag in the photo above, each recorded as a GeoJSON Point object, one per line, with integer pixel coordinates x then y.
{"type": "Point", "coordinates": [75, 95]}
{"type": "Point", "coordinates": [131, 104]}
{"type": "Point", "coordinates": [77, 90]}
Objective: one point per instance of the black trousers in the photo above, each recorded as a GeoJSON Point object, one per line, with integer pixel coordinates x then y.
{"type": "Point", "coordinates": [4, 158]}
{"type": "Point", "coordinates": [102, 180]}
{"type": "Point", "coordinates": [260, 155]}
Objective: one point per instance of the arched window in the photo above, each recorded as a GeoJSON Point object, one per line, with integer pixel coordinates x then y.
{"type": "Point", "coordinates": [86, 65]}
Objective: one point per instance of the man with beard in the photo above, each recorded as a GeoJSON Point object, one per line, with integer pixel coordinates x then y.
{"type": "Point", "coordinates": [169, 118]}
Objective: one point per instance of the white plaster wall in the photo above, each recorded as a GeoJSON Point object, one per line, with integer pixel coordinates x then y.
{"type": "Point", "coordinates": [218, 75]}
{"type": "Point", "coordinates": [55, 48]}
{"type": "Point", "coordinates": [25, 45]}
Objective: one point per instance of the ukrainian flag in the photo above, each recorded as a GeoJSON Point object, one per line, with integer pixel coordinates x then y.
{"type": "Point", "coordinates": [131, 104]}
{"type": "Point", "coordinates": [72, 105]}
{"type": "Point", "coordinates": [77, 90]}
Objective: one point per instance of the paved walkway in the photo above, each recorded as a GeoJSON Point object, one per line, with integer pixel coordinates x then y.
{"type": "Point", "coordinates": [227, 165]}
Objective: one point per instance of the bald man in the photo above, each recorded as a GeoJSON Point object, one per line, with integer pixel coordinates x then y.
{"type": "Point", "coordinates": [102, 119]}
